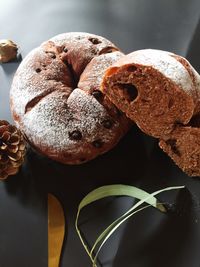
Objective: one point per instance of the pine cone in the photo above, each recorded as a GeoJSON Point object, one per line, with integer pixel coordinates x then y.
{"type": "Point", "coordinates": [12, 149]}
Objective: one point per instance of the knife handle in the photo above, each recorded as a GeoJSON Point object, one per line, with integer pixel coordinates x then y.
{"type": "Point", "coordinates": [56, 231]}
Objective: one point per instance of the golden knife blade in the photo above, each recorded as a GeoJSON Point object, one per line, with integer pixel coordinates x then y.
{"type": "Point", "coordinates": [56, 231]}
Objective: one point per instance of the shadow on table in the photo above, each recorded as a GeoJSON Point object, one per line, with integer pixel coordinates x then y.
{"type": "Point", "coordinates": [39, 175]}
{"type": "Point", "coordinates": [193, 49]}
{"type": "Point", "coordinates": [130, 162]}
{"type": "Point", "coordinates": [10, 67]}
{"type": "Point", "coordinates": [166, 240]}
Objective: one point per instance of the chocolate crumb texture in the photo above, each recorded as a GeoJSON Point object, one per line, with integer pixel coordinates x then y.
{"type": "Point", "coordinates": [159, 91]}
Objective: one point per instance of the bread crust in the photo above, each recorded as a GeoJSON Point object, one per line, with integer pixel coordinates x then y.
{"type": "Point", "coordinates": [183, 146]}
{"type": "Point", "coordinates": [53, 102]}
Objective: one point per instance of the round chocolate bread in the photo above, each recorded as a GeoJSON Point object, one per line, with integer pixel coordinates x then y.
{"type": "Point", "coordinates": [160, 91]}
{"type": "Point", "coordinates": [56, 102]}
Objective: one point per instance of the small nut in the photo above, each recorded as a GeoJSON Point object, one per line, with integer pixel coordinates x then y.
{"type": "Point", "coordinates": [8, 51]}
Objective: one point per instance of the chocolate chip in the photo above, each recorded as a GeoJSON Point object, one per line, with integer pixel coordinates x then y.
{"type": "Point", "coordinates": [132, 68]}
{"type": "Point", "coordinates": [82, 159]}
{"type": "Point", "coordinates": [75, 135]}
{"type": "Point", "coordinates": [53, 56]}
{"type": "Point", "coordinates": [107, 123]}
{"type": "Point", "coordinates": [97, 143]}
{"type": "Point", "coordinates": [119, 112]}
{"type": "Point", "coordinates": [94, 41]}
{"type": "Point", "coordinates": [94, 51]}
{"type": "Point", "coordinates": [65, 49]}
{"type": "Point", "coordinates": [97, 94]}
{"type": "Point", "coordinates": [38, 70]}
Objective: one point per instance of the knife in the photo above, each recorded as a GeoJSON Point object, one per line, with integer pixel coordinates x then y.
{"type": "Point", "coordinates": [56, 230]}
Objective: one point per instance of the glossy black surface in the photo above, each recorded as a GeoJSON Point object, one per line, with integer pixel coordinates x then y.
{"type": "Point", "coordinates": [151, 239]}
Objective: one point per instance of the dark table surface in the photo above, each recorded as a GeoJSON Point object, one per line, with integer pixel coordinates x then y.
{"type": "Point", "coordinates": [151, 239]}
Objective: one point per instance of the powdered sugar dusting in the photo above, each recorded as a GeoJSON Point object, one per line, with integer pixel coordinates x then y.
{"type": "Point", "coordinates": [22, 90]}
{"type": "Point", "coordinates": [81, 37]}
{"type": "Point", "coordinates": [60, 110]}
{"type": "Point", "coordinates": [93, 74]}
{"type": "Point", "coordinates": [197, 80]}
{"type": "Point", "coordinates": [80, 111]}
{"type": "Point", "coordinates": [81, 48]}
{"type": "Point", "coordinates": [166, 64]}
{"type": "Point", "coordinates": [28, 84]}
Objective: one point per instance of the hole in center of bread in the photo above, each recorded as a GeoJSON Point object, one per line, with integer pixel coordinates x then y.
{"type": "Point", "coordinates": [129, 91]}
{"type": "Point", "coordinates": [74, 77]}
